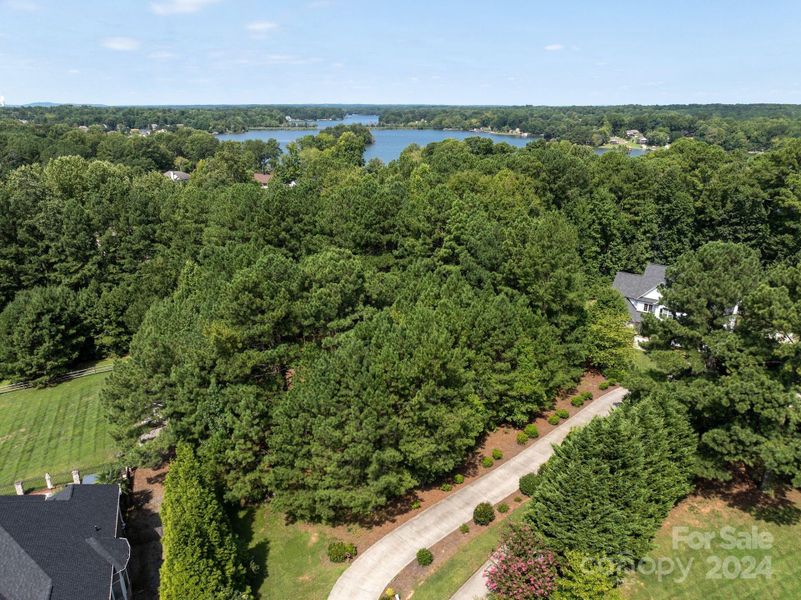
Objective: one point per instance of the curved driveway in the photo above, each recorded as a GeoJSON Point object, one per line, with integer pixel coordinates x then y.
{"type": "Point", "coordinates": [371, 572]}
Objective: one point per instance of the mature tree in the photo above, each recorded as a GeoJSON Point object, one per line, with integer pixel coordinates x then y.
{"type": "Point", "coordinates": [732, 360]}
{"type": "Point", "coordinates": [609, 485]}
{"type": "Point", "coordinates": [609, 339]}
{"type": "Point", "coordinates": [41, 334]}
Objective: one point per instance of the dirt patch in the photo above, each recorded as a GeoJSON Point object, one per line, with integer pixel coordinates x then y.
{"type": "Point", "coordinates": [144, 531]}
{"type": "Point", "coordinates": [503, 438]}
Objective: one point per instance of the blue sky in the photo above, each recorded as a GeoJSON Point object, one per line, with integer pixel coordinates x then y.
{"type": "Point", "coordinates": [410, 51]}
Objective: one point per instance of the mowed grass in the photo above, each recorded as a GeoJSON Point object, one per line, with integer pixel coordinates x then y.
{"type": "Point", "coordinates": [286, 560]}
{"type": "Point", "coordinates": [54, 430]}
{"type": "Point", "coordinates": [452, 574]}
{"type": "Point", "coordinates": [720, 573]}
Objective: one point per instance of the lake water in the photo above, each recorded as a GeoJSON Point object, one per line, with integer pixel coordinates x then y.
{"type": "Point", "coordinates": [389, 143]}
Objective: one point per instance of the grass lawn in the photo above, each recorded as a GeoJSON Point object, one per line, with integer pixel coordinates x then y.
{"type": "Point", "coordinates": [53, 430]}
{"type": "Point", "coordinates": [642, 363]}
{"type": "Point", "coordinates": [287, 560]}
{"type": "Point", "coordinates": [739, 575]}
{"type": "Point", "coordinates": [448, 578]}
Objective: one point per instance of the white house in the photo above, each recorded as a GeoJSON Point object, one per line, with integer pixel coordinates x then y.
{"type": "Point", "coordinates": [177, 175]}
{"type": "Point", "coordinates": [642, 292]}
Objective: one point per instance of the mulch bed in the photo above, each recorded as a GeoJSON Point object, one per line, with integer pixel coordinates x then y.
{"type": "Point", "coordinates": [503, 438]}
{"type": "Point", "coordinates": [144, 531]}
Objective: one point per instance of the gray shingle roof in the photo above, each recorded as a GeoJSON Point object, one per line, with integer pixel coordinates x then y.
{"type": "Point", "coordinates": [632, 285]}
{"type": "Point", "coordinates": [67, 541]}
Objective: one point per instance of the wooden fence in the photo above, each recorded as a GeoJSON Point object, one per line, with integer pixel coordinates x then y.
{"type": "Point", "coordinates": [13, 387]}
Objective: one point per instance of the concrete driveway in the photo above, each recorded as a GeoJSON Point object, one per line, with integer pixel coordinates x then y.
{"type": "Point", "coordinates": [371, 572]}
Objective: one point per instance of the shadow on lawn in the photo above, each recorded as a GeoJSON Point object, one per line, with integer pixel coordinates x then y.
{"type": "Point", "coordinates": [781, 506]}
{"type": "Point", "coordinates": [254, 556]}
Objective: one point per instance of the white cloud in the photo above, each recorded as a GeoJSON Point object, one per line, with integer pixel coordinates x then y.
{"type": "Point", "coordinates": [161, 55]}
{"type": "Point", "coordinates": [74, 72]}
{"type": "Point", "coordinates": [554, 47]}
{"type": "Point", "coordinates": [23, 5]}
{"type": "Point", "coordinates": [179, 7]}
{"type": "Point", "coordinates": [261, 26]}
{"type": "Point", "coordinates": [120, 44]}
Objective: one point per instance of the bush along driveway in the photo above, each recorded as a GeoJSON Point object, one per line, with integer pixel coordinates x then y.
{"type": "Point", "coordinates": [372, 571]}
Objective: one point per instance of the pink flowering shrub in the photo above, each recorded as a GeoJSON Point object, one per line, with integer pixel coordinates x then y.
{"type": "Point", "coordinates": [513, 578]}
{"type": "Point", "coordinates": [521, 569]}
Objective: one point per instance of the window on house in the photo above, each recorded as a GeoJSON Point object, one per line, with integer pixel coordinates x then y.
{"type": "Point", "coordinates": [648, 308]}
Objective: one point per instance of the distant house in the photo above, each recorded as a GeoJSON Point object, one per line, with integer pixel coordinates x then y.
{"type": "Point", "coordinates": [630, 133]}
{"type": "Point", "coordinates": [64, 547]}
{"type": "Point", "coordinates": [263, 179]}
{"type": "Point", "coordinates": [642, 292]}
{"type": "Point", "coordinates": [177, 175]}
{"type": "Point", "coordinates": [642, 140]}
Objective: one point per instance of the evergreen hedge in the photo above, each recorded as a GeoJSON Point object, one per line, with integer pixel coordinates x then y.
{"type": "Point", "coordinates": [200, 552]}
{"type": "Point", "coordinates": [609, 486]}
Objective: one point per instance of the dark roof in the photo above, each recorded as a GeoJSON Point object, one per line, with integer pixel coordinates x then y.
{"type": "Point", "coordinates": [632, 285]}
{"type": "Point", "coordinates": [634, 315]}
{"type": "Point", "coordinates": [60, 548]}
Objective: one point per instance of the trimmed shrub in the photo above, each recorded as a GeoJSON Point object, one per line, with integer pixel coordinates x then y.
{"type": "Point", "coordinates": [464, 528]}
{"type": "Point", "coordinates": [554, 419]}
{"type": "Point", "coordinates": [200, 549]}
{"type": "Point", "coordinates": [562, 413]}
{"type": "Point", "coordinates": [339, 551]}
{"type": "Point", "coordinates": [503, 508]}
{"type": "Point", "coordinates": [522, 438]}
{"type": "Point", "coordinates": [389, 593]}
{"type": "Point", "coordinates": [577, 401]}
{"type": "Point", "coordinates": [458, 478]}
{"type": "Point", "coordinates": [604, 385]}
{"type": "Point", "coordinates": [483, 514]}
{"type": "Point", "coordinates": [528, 484]}
{"type": "Point", "coordinates": [424, 557]}
{"type": "Point", "coordinates": [587, 396]}
{"type": "Point", "coordinates": [518, 499]}
{"type": "Point", "coordinates": [415, 505]}
{"type": "Point", "coordinates": [531, 431]}
{"type": "Point", "coordinates": [446, 487]}
{"type": "Point", "coordinates": [612, 382]}
{"type": "Point", "coordinates": [487, 462]}
{"type": "Point", "coordinates": [497, 454]}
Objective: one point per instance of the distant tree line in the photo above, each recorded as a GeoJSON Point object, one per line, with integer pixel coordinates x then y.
{"type": "Point", "coordinates": [206, 118]}
{"type": "Point", "coordinates": [731, 126]}
{"type": "Point", "coordinates": [181, 149]}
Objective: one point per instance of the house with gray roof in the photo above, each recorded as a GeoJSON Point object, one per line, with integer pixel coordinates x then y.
{"type": "Point", "coordinates": [642, 292]}
{"type": "Point", "coordinates": [64, 547]}
{"type": "Point", "coordinates": [176, 175]}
